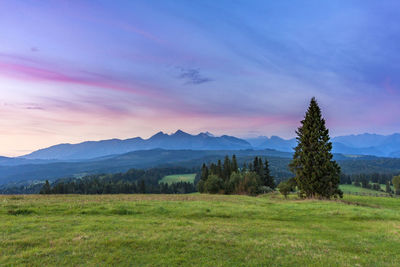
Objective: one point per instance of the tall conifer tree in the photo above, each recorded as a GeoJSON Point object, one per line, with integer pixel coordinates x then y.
{"type": "Point", "coordinates": [269, 179]}
{"type": "Point", "coordinates": [204, 172]}
{"type": "Point", "coordinates": [317, 175]}
{"type": "Point", "coordinates": [255, 164]}
{"type": "Point", "coordinates": [226, 169]}
{"type": "Point", "coordinates": [234, 164]}
{"type": "Point", "coordinates": [261, 172]}
{"type": "Point", "coordinates": [203, 178]}
{"type": "Point", "coordinates": [219, 169]}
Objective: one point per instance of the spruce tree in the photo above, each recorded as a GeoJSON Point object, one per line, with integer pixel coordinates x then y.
{"type": "Point", "coordinates": [219, 169]}
{"type": "Point", "coordinates": [255, 165]}
{"type": "Point", "coordinates": [226, 169]}
{"type": "Point", "coordinates": [46, 189]}
{"type": "Point", "coordinates": [250, 167]}
{"type": "Point", "coordinates": [203, 178]}
{"type": "Point", "coordinates": [244, 168]}
{"type": "Point", "coordinates": [268, 178]}
{"type": "Point", "coordinates": [234, 164]}
{"type": "Point", "coordinates": [261, 172]}
{"type": "Point", "coordinates": [213, 169]}
{"type": "Point", "coordinates": [204, 172]}
{"type": "Point", "coordinates": [316, 173]}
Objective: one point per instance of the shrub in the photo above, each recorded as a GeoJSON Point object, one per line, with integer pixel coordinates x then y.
{"type": "Point", "coordinates": [396, 184]}
{"type": "Point", "coordinates": [213, 184]}
{"type": "Point", "coordinates": [265, 189]}
{"type": "Point", "coordinates": [249, 184]}
{"type": "Point", "coordinates": [285, 188]}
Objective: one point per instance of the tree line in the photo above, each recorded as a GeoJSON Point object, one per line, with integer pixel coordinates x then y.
{"type": "Point", "coordinates": [228, 178]}
{"type": "Point", "coordinates": [373, 181]}
{"type": "Point", "coordinates": [134, 181]}
{"type": "Point", "coordinates": [375, 178]}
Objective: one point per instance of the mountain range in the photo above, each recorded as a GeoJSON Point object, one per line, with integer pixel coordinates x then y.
{"type": "Point", "coordinates": [355, 153]}
{"type": "Point", "coordinates": [362, 144]}
{"type": "Point", "coordinates": [26, 174]}
{"type": "Point", "coordinates": [176, 141]}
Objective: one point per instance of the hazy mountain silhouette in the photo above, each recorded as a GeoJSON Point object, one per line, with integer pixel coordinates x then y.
{"type": "Point", "coordinates": [178, 140]}
{"type": "Point", "coordinates": [29, 173]}
{"type": "Point", "coordinates": [274, 142]}
{"type": "Point", "coordinates": [362, 144]}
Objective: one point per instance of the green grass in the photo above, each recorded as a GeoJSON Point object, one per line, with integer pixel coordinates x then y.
{"type": "Point", "coordinates": [383, 187]}
{"type": "Point", "coordinates": [347, 188]}
{"type": "Point", "coordinates": [198, 230]}
{"type": "Point", "coordinates": [169, 179]}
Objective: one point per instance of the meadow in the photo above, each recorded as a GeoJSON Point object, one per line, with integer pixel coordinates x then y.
{"type": "Point", "coordinates": [351, 189]}
{"type": "Point", "coordinates": [175, 178]}
{"type": "Point", "coordinates": [198, 229]}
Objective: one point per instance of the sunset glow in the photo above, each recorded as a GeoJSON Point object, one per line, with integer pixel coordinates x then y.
{"type": "Point", "coordinates": [72, 71]}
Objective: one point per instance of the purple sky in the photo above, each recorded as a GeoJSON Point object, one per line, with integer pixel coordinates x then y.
{"type": "Point", "coordinates": [87, 70]}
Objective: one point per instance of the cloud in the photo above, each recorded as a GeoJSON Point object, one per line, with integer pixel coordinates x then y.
{"type": "Point", "coordinates": [192, 76]}
{"type": "Point", "coordinates": [32, 70]}
{"type": "Point", "coordinates": [35, 108]}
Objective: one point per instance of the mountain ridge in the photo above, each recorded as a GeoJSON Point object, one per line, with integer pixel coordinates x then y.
{"type": "Point", "coordinates": [177, 140]}
{"type": "Point", "coordinates": [360, 144]}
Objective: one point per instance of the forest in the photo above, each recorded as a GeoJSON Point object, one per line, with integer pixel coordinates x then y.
{"type": "Point", "coordinates": [228, 178]}
{"type": "Point", "coordinates": [130, 182]}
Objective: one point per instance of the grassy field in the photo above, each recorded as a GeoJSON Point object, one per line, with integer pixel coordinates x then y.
{"type": "Point", "coordinates": [169, 179]}
{"type": "Point", "coordinates": [347, 188]}
{"type": "Point", "coordinates": [198, 230]}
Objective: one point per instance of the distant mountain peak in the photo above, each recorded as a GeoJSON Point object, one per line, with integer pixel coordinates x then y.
{"type": "Point", "coordinates": [275, 137]}
{"type": "Point", "coordinates": [159, 134]}
{"type": "Point", "coordinates": [206, 134]}
{"type": "Point", "coordinates": [209, 134]}
{"type": "Point", "coordinates": [180, 133]}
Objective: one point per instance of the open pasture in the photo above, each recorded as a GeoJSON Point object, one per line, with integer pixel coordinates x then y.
{"type": "Point", "coordinates": [175, 178]}
{"type": "Point", "coordinates": [198, 230]}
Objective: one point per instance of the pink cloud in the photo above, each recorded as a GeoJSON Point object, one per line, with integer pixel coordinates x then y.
{"type": "Point", "coordinates": [38, 74]}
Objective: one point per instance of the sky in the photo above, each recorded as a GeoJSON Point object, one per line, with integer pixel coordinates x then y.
{"type": "Point", "coordinates": [72, 71]}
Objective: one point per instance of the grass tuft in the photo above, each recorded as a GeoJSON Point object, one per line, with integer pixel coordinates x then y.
{"type": "Point", "coordinates": [20, 212]}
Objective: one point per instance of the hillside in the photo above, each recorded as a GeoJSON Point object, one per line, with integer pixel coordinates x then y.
{"type": "Point", "coordinates": [137, 159]}
{"type": "Point", "coordinates": [180, 158]}
{"type": "Point", "coordinates": [198, 230]}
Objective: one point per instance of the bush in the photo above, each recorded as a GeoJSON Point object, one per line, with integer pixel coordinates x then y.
{"type": "Point", "coordinates": [233, 182]}
{"type": "Point", "coordinates": [266, 189]}
{"type": "Point", "coordinates": [376, 187]}
{"type": "Point", "coordinates": [285, 188]}
{"type": "Point", "coordinates": [214, 184]}
{"type": "Point", "coordinates": [249, 184]}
